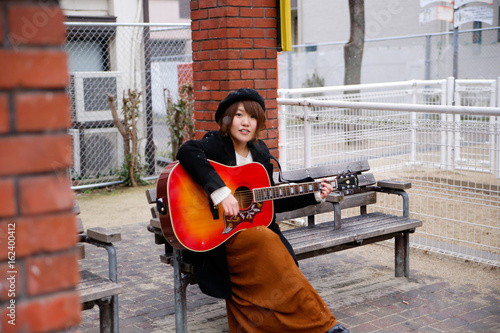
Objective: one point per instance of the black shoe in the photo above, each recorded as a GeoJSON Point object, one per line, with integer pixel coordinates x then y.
{"type": "Point", "coordinates": [338, 329]}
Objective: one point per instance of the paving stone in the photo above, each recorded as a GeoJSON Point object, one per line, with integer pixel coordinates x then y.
{"type": "Point", "coordinates": [388, 321]}
{"type": "Point", "coordinates": [365, 328]}
{"type": "Point", "coordinates": [450, 324]}
{"type": "Point", "coordinates": [474, 315]}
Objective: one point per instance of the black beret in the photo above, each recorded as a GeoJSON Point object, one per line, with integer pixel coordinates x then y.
{"type": "Point", "coordinates": [242, 94]}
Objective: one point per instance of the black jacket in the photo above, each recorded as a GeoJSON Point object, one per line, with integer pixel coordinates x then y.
{"type": "Point", "coordinates": [211, 268]}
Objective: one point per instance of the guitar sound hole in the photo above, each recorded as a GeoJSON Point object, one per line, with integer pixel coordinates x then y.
{"type": "Point", "coordinates": [244, 196]}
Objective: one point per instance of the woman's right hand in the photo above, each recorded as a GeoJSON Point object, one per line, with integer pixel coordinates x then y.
{"type": "Point", "coordinates": [230, 205]}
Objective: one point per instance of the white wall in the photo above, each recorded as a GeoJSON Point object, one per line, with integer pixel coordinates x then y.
{"type": "Point", "coordinates": [328, 20]}
{"type": "Point", "coordinates": [127, 11]}
{"type": "Point", "coordinates": [85, 8]}
{"type": "Point", "coordinates": [124, 10]}
{"type": "Point", "coordinates": [165, 11]}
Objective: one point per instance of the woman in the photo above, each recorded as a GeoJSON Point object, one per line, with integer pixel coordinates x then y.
{"type": "Point", "coordinates": [255, 270]}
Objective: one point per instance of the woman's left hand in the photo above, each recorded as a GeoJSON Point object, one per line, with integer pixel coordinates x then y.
{"type": "Point", "coordinates": [326, 189]}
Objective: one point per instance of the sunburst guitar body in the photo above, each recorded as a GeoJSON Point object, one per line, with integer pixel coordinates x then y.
{"type": "Point", "coordinates": [188, 220]}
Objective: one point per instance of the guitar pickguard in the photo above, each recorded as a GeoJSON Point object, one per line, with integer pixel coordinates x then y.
{"type": "Point", "coordinates": [245, 215]}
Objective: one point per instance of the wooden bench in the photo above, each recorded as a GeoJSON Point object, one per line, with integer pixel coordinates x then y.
{"type": "Point", "coordinates": [95, 289]}
{"type": "Point", "coordinates": [321, 238]}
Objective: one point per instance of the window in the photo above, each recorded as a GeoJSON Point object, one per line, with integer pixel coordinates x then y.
{"type": "Point", "coordinates": [476, 35]}
{"type": "Point", "coordinates": [88, 48]}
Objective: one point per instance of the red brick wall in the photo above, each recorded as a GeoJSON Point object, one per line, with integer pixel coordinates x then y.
{"type": "Point", "coordinates": [38, 263]}
{"type": "Point", "coordinates": [234, 46]}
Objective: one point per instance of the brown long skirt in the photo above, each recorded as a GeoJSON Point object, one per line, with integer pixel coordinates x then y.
{"type": "Point", "coordinates": [270, 293]}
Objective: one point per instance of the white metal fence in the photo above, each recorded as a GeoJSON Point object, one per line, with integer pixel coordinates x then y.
{"type": "Point", "coordinates": [442, 135]}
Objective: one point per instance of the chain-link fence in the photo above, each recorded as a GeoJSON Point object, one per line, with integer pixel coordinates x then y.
{"type": "Point", "coordinates": [420, 57]}
{"type": "Point", "coordinates": [154, 60]}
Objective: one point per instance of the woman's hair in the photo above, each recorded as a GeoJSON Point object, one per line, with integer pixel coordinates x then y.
{"type": "Point", "coordinates": [252, 108]}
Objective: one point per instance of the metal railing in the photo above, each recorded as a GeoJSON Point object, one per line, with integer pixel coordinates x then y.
{"type": "Point", "coordinates": [418, 131]}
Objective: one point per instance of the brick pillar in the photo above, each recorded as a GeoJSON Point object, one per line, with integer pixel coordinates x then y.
{"type": "Point", "coordinates": [234, 46]}
{"type": "Point", "coordinates": [38, 263]}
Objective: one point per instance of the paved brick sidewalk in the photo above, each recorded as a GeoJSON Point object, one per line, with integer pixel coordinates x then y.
{"type": "Point", "coordinates": [363, 295]}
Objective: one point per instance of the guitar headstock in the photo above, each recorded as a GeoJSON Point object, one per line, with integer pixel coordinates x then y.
{"type": "Point", "coordinates": [347, 181]}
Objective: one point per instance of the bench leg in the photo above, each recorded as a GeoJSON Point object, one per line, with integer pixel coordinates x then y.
{"type": "Point", "coordinates": [402, 254]}
{"type": "Point", "coordinates": [310, 220]}
{"type": "Point", "coordinates": [108, 315]}
{"type": "Point", "coordinates": [180, 285]}
{"type": "Point", "coordinates": [337, 215]}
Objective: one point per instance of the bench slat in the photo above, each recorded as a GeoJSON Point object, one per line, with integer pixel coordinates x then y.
{"type": "Point", "coordinates": [321, 171]}
{"type": "Point", "coordinates": [80, 250]}
{"type": "Point", "coordinates": [355, 223]}
{"type": "Point", "coordinates": [98, 291]}
{"type": "Point", "coordinates": [322, 230]}
{"type": "Point", "coordinates": [104, 235]}
{"type": "Point", "coordinates": [353, 230]}
{"type": "Point", "coordinates": [154, 212]}
{"type": "Point", "coordinates": [358, 199]}
{"type": "Point", "coordinates": [155, 222]}
{"type": "Point", "coordinates": [349, 201]}
{"type": "Point", "coordinates": [366, 179]}
{"type": "Point", "coordinates": [151, 195]}
{"type": "Point", "coordinates": [324, 207]}
{"type": "Point", "coordinates": [79, 226]}
{"type": "Point", "coordinates": [93, 287]}
{"type": "Point", "coordinates": [394, 184]}
{"type": "Point", "coordinates": [348, 237]}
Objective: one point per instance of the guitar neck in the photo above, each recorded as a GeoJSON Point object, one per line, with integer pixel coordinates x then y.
{"type": "Point", "coordinates": [286, 191]}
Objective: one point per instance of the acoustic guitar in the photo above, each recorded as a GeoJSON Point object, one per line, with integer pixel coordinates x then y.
{"type": "Point", "coordinates": [188, 221]}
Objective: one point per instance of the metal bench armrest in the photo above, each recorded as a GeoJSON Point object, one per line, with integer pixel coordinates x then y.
{"type": "Point", "coordinates": [402, 193]}
{"type": "Point", "coordinates": [110, 248]}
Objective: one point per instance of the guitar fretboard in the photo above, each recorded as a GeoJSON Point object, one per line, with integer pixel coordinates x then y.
{"type": "Point", "coordinates": [285, 191]}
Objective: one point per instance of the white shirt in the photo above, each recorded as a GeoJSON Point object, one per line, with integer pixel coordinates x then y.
{"type": "Point", "coordinates": [220, 194]}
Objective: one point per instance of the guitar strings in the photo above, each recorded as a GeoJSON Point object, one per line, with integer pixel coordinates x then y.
{"type": "Point", "coordinates": [248, 194]}
{"type": "Point", "coordinates": [244, 196]}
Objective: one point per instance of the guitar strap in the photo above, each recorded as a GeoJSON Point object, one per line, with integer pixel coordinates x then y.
{"type": "Point", "coordinates": [283, 180]}
{"type": "Point", "coordinates": [213, 208]}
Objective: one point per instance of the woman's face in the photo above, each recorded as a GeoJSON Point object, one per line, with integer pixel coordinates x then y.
{"type": "Point", "coordinates": [244, 126]}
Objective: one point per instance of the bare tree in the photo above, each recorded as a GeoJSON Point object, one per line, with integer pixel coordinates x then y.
{"type": "Point", "coordinates": [128, 130]}
{"type": "Point", "coordinates": [353, 57]}
{"type": "Point", "coordinates": [353, 50]}
{"type": "Point", "coordinates": [180, 116]}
